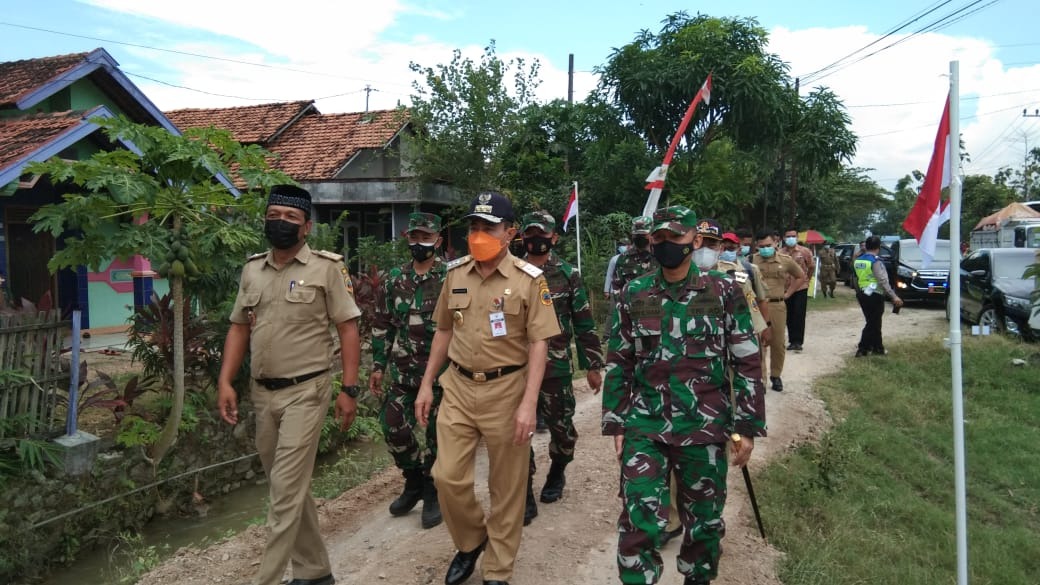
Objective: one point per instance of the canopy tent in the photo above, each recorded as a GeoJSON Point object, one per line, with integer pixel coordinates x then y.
{"type": "Point", "coordinates": [1015, 210]}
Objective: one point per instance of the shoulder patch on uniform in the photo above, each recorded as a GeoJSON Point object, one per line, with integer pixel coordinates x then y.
{"type": "Point", "coordinates": [257, 256]}
{"type": "Point", "coordinates": [543, 292]}
{"type": "Point", "coordinates": [459, 261]}
{"type": "Point", "coordinates": [330, 255]}
{"type": "Point", "coordinates": [531, 270]}
{"type": "Point", "coordinates": [347, 282]}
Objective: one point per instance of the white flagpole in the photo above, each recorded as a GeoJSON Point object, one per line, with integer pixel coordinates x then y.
{"type": "Point", "coordinates": [955, 327]}
{"type": "Point", "coordinates": [577, 221]}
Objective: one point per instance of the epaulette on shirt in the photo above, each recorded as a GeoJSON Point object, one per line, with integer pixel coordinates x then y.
{"type": "Point", "coordinates": [459, 261]}
{"type": "Point", "coordinates": [329, 255]}
{"type": "Point", "coordinates": [257, 256]}
{"type": "Point", "coordinates": [532, 270]}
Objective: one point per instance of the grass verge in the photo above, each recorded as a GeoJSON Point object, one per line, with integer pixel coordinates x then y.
{"type": "Point", "coordinates": [873, 502]}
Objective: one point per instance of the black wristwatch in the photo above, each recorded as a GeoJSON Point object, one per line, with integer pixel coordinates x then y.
{"type": "Point", "coordinates": [352, 391]}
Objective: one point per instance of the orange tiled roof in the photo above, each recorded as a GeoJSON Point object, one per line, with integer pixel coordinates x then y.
{"type": "Point", "coordinates": [317, 147]}
{"type": "Point", "coordinates": [247, 124]}
{"type": "Point", "coordinates": [21, 136]}
{"type": "Point", "coordinates": [20, 77]}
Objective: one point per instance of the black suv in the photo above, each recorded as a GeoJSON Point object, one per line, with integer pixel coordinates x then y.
{"type": "Point", "coordinates": [908, 276]}
{"type": "Point", "coordinates": [994, 293]}
{"type": "Point", "coordinates": [844, 253]}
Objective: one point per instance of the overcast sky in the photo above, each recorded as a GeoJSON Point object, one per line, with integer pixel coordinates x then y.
{"type": "Point", "coordinates": [234, 52]}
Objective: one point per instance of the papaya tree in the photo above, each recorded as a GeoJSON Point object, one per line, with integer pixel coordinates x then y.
{"type": "Point", "coordinates": [168, 200]}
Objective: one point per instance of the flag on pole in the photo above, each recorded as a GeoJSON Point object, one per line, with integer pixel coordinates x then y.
{"type": "Point", "coordinates": [572, 207]}
{"type": "Point", "coordinates": [930, 211]}
{"type": "Point", "coordinates": [655, 182]}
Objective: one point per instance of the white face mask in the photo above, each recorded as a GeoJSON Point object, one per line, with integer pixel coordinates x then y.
{"type": "Point", "coordinates": [705, 258]}
{"type": "Point", "coordinates": [790, 241]}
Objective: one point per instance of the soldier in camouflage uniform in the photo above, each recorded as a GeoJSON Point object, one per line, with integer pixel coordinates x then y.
{"type": "Point", "coordinates": [404, 314]}
{"type": "Point", "coordinates": [637, 259]}
{"type": "Point", "coordinates": [680, 339]}
{"type": "Point", "coordinates": [556, 398]}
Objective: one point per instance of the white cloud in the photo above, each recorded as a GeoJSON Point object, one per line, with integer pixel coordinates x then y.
{"type": "Point", "coordinates": [913, 75]}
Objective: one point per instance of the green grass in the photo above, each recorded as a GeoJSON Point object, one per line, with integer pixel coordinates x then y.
{"type": "Point", "coordinates": [840, 301]}
{"type": "Point", "coordinates": [873, 502]}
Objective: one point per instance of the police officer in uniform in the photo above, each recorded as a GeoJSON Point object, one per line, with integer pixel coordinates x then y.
{"type": "Point", "coordinates": [556, 401]}
{"type": "Point", "coordinates": [782, 277]}
{"type": "Point", "coordinates": [494, 319]}
{"type": "Point", "coordinates": [667, 402]}
{"type": "Point", "coordinates": [871, 280]}
{"type": "Point", "coordinates": [404, 313]}
{"type": "Point", "coordinates": [287, 300]}
{"type": "Point", "coordinates": [637, 259]}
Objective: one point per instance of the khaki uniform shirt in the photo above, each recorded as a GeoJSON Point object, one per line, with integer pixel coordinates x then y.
{"type": "Point", "coordinates": [804, 257]}
{"type": "Point", "coordinates": [775, 272]}
{"type": "Point", "coordinates": [289, 311]}
{"type": "Point", "coordinates": [752, 292]}
{"type": "Point", "coordinates": [468, 305]}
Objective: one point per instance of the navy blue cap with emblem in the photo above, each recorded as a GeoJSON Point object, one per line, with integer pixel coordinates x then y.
{"type": "Point", "coordinates": [491, 206]}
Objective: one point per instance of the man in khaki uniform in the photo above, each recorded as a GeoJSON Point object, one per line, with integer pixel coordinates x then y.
{"type": "Point", "coordinates": [782, 277]}
{"type": "Point", "coordinates": [287, 300]}
{"type": "Point", "coordinates": [797, 301]}
{"type": "Point", "coordinates": [494, 318]}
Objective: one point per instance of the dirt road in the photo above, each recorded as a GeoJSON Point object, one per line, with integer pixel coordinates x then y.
{"type": "Point", "coordinates": [572, 541]}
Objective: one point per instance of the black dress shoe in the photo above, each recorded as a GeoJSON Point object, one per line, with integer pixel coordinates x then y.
{"type": "Point", "coordinates": [496, 582]}
{"type": "Point", "coordinates": [778, 384]}
{"type": "Point", "coordinates": [670, 534]}
{"type": "Point", "coordinates": [326, 580]}
{"type": "Point", "coordinates": [462, 565]}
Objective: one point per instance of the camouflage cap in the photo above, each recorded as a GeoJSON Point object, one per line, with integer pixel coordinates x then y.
{"type": "Point", "coordinates": [642, 224]}
{"type": "Point", "coordinates": [676, 218]}
{"type": "Point", "coordinates": [709, 228]}
{"type": "Point", "coordinates": [542, 220]}
{"type": "Point", "coordinates": [424, 222]}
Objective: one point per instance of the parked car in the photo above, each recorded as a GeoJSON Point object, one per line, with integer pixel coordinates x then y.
{"type": "Point", "coordinates": [908, 275]}
{"type": "Point", "coordinates": [844, 252]}
{"type": "Point", "coordinates": [994, 293]}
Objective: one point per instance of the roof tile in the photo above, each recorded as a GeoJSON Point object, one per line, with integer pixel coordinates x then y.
{"type": "Point", "coordinates": [247, 124]}
{"type": "Point", "coordinates": [20, 77]}
{"type": "Point", "coordinates": [317, 147]}
{"type": "Point", "coordinates": [21, 136]}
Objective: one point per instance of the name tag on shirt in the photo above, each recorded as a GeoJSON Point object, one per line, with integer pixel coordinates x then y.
{"type": "Point", "coordinates": [498, 324]}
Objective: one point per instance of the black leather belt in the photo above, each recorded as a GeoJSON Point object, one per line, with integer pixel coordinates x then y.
{"type": "Point", "coordinates": [485, 376]}
{"type": "Point", "coordinates": [279, 383]}
{"type": "Point", "coordinates": [777, 300]}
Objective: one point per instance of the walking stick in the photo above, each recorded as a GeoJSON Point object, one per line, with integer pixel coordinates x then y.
{"type": "Point", "coordinates": [751, 492]}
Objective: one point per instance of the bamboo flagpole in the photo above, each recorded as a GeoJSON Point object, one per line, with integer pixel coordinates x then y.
{"type": "Point", "coordinates": [655, 182]}
{"type": "Point", "coordinates": [573, 212]}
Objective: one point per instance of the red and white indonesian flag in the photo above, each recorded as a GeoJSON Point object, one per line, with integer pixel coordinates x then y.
{"type": "Point", "coordinates": [930, 210]}
{"type": "Point", "coordinates": [655, 182]}
{"type": "Point", "coordinates": [572, 208]}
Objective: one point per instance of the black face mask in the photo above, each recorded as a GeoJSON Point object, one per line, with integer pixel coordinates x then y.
{"type": "Point", "coordinates": [670, 254]}
{"type": "Point", "coordinates": [282, 234]}
{"type": "Point", "coordinates": [640, 241]}
{"type": "Point", "coordinates": [422, 252]}
{"type": "Point", "coordinates": [538, 245]}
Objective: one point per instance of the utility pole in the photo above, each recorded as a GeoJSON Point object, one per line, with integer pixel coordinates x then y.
{"type": "Point", "coordinates": [570, 78]}
{"type": "Point", "coordinates": [794, 173]}
{"type": "Point", "coordinates": [1025, 155]}
{"type": "Point", "coordinates": [368, 91]}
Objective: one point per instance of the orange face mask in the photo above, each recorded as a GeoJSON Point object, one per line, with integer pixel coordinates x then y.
{"type": "Point", "coordinates": [484, 246]}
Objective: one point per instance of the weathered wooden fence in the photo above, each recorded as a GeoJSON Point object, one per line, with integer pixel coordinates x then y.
{"type": "Point", "coordinates": [32, 373]}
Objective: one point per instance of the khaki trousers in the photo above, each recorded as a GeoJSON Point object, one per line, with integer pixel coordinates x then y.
{"type": "Point", "coordinates": [778, 345]}
{"type": "Point", "coordinates": [288, 426]}
{"type": "Point", "coordinates": [469, 411]}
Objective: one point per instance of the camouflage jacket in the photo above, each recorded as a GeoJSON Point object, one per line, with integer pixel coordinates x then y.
{"type": "Point", "coordinates": [672, 352]}
{"type": "Point", "coordinates": [571, 302]}
{"type": "Point", "coordinates": [634, 262]}
{"type": "Point", "coordinates": [404, 313]}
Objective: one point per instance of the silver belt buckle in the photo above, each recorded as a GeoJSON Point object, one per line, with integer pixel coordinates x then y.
{"type": "Point", "coordinates": [479, 377]}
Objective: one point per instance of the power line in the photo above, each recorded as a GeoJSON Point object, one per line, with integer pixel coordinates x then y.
{"type": "Point", "coordinates": [196, 55]}
{"type": "Point", "coordinates": [963, 99]}
{"type": "Point", "coordinates": [962, 118]}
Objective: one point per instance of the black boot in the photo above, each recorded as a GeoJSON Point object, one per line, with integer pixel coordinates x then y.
{"type": "Point", "coordinates": [554, 482]}
{"type": "Point", "coordinates": [531, 508]}
{"type": "Point", "coordinates": [431, 508]}
{"type": "Point", "coordinates": [413, 492]}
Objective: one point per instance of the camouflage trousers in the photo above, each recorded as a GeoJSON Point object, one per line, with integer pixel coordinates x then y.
{"type": "Point", "coordinates": [556, 406]}
{"type": "Point", "coordinates": [700, 473]}
{"type": "Point", "coordinates": [397, 417]}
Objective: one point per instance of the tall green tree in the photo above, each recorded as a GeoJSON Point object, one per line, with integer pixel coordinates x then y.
{"type": "Point", "coordinates": [464, 110]}
{"type": "Point", "coordinates": [161, 201]}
